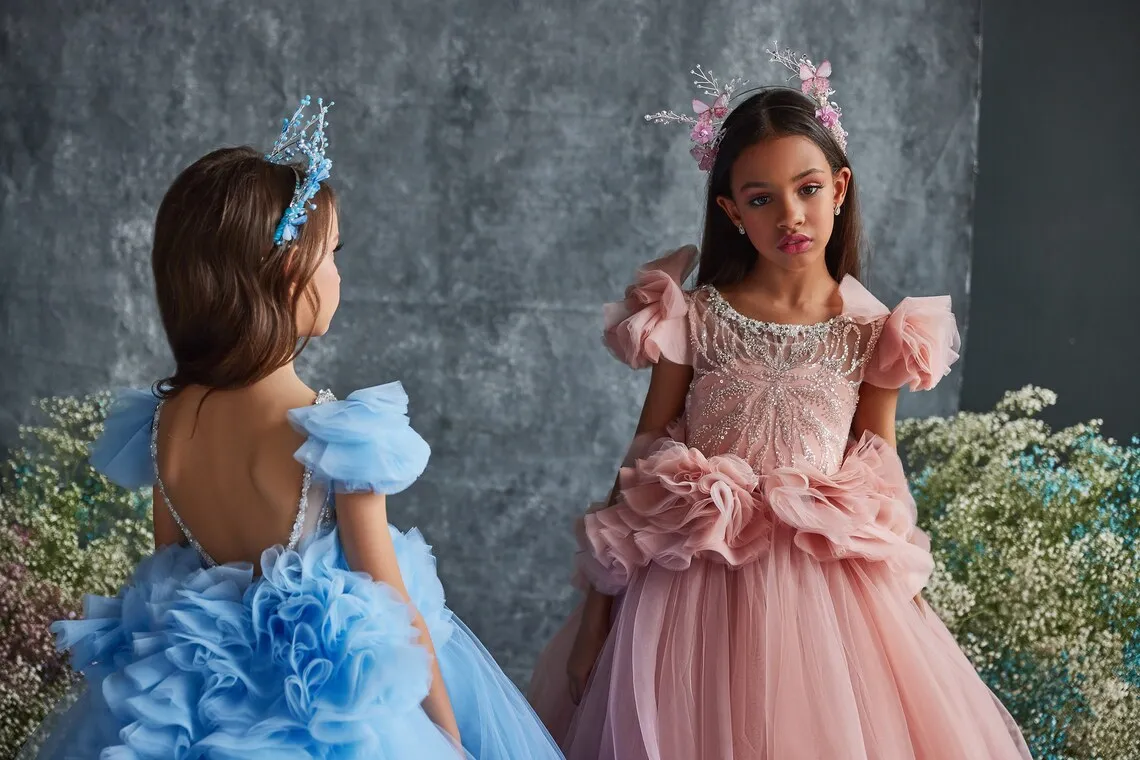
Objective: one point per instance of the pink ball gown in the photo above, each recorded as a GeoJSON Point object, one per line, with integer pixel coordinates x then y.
{"type": "Point", "coordinates": [766, 564]}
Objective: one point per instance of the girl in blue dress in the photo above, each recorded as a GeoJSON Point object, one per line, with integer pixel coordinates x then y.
{"type": "Point", "coordinates": [280, 615]}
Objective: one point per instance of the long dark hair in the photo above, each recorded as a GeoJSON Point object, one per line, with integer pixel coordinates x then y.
{"type": "Point", "coordinates": [228, 296]}
{"type": "Point", "coordinates": [727, 256]}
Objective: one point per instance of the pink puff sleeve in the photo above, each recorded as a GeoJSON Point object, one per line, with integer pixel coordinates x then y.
{"type": "Point", "coordinates": [652, 320]}
{"type": "Point", "coordinates": [918, 343]}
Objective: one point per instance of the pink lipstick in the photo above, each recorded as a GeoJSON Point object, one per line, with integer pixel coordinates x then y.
{"type": "Point", "coordinates": [794, 243]}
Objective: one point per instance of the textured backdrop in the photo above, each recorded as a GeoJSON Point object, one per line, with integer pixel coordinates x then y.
{"type": "Point", "coordinates": [497, 182]}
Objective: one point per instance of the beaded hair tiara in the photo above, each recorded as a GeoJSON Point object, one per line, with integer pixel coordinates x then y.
{"type": "Point", "coordinates": [707, 126]}
{"type": "Point", "coordinates": [301, 144]}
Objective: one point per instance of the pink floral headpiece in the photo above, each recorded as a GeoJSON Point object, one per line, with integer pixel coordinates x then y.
{"type": "Point", "coordinates": [815, 82]}
{"type": "Point", "coordinates": [706, 127]}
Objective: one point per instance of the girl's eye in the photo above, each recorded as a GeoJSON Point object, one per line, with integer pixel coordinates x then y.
{"type": "Point", "coordinates": [760, 200]}
{"type": "Point", "coordinates": [811, 189]}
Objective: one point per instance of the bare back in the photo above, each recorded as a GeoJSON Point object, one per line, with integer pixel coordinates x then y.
{"type": "Point", "coordinates": [226, 466]}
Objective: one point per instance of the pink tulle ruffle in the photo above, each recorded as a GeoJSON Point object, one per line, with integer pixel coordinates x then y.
{"type": "Point", "coordinates": [863, 511]}
{"type": "Point", "coordinates": [678, 505]}
{"type": "Point", "coordinates": [918, 344]}
{"type": "Point", "coordinates": [651, 322]}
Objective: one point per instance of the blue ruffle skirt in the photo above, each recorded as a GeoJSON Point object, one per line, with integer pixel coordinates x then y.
{"type": "Point", "coordinates": [309, 660]}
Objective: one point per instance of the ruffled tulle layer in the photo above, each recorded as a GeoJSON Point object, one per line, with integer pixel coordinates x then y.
{"type": "Point", "coordinates": [678, 505]}
{"type": "Point", "coordinates": [363, 443]}
{"type": "Point", "coordinates": [765, 618]}
{"type": "Point", "coordinates": [309, 660]}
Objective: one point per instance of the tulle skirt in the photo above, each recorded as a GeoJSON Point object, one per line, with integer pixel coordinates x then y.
{"type": "Point", "coordinates": [767, 618]}
{"type": "Point", "coordinates": [308, 660]}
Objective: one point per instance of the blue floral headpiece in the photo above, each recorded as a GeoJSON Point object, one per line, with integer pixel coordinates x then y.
{"type": "Point", "coordinates": [302, 140]}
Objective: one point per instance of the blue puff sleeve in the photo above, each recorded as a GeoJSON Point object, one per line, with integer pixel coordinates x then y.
{"type": "Point", "coordinates": [363, 443]}
{"type": "Point", "coordinates": [122, 452]}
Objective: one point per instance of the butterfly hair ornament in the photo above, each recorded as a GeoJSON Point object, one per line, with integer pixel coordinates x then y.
{"type": "Point", "coordinates": [302, 144]}
{"type": "Point", "coordinates": [707, 125]}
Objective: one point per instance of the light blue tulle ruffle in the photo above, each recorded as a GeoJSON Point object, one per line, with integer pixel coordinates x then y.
{"type": "Point", "coordinates": [122, 453]}
{"type": "Point", "coordinates": [495, 720]}
{"type": "Point", "coordinates": [306, 660]}
{"type": "Point", "coordinates": [363, 443]}
{"type": "Point", "coordinates": [309, 660]}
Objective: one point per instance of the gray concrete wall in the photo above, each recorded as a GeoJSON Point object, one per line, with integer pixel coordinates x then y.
{"type": "Point", "coordinates": [498, 184]}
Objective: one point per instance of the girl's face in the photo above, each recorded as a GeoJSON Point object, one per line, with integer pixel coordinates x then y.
{"type": "Point", "coordinates": [785, 195]}
{"type": "Point", "coordinates": [326, 284]}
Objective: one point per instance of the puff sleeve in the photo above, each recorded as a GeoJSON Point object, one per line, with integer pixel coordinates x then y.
{"type": "Point", "coordinates": [122, 452]}
{"type": "Point", "coordinates": [364, 443]}
{"type": "Point", "coordinates": [918, 344]}
{"type": "Point", "coordinates": [652, 321]}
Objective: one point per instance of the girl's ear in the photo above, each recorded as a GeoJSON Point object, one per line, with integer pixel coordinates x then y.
{"type": "Point", "coordinates": [730, 208]}
{"type": "Point", "coordinates": [840, 180]}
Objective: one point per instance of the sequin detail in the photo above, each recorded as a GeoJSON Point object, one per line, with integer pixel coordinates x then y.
{"type": "Point", "coordinates": [302, 504]}
{"type": "Point", "coordinates": [773, 393]}
{"type": "Point", "coordinates": [323, 396]}
{"type": "Point", "coordinates": [723, 309]}
{"type": "Point", "coordinates": [206, 558]}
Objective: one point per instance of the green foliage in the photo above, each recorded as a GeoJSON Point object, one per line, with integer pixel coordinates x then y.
{"type": "Point", "coordinates": [65, 530]}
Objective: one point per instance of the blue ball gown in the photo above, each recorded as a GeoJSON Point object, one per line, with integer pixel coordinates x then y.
{"type": "Point", "coordinates": [303, 659]}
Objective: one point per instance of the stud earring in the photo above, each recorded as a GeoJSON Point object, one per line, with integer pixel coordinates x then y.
{"type": "Point", "coordinates": [740, 228]}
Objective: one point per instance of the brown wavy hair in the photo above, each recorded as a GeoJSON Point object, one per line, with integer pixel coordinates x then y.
{"type": "Point", "coordinates": [228, 296]}
{"type": "Point", "coordinates": [727, 256]}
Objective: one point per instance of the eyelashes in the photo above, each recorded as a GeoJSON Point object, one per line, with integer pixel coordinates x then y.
{"type": "Point", "coordinates": [807, 190]}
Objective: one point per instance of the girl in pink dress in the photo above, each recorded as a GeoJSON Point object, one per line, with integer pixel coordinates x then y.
{"type": "Point", "coordinates": [754, 581]}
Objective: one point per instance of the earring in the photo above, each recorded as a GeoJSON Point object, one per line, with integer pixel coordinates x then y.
{"type": "Point", "coordinates": [837, 208]}
{"type": "Point", "coordinates": [740, 228]}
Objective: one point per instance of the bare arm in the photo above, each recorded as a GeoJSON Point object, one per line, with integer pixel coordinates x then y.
{"type": "Point", "coordinates": [664, 402]}
{"type": "Point", "coordinates": [363, 522]}
{"type": "Point", "coordinates": [665, 399]}
{"type": "Point", "coordinates": [876, 412]}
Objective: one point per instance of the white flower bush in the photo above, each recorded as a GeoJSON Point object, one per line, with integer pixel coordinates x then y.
{"type": "Point", "coordinates": [1037, 567]}
{"type": "Point", "coordinates": [65, 530]}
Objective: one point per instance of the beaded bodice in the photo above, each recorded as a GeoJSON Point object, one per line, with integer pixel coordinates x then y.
{"type": "Point", "coordinates": [773, 394]}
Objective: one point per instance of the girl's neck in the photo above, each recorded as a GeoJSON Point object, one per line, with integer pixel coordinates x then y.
{"type": "Point", "coordinates": [282, 387]}
{"type": "Point", "coordinates": [790, 289]}
{"type": "Point", "coordinates": [284, 377]}
{"type": "Point", "coordinates": [281, 383]}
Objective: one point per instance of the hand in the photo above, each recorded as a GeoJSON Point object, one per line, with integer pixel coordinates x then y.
{"type": "Point", "coordinates": [920, 603]}
{"type": "Point", "coordinates": [588, 644]}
